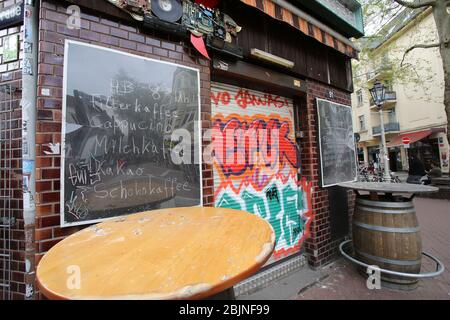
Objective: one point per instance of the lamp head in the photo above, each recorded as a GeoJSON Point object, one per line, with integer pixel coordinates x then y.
{"type": "Point", "coordinates": [378, 93]}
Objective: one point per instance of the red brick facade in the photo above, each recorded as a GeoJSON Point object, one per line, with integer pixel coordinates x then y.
{"type": "Point", "coordinates": [108, 32]}
{"type": "Point", "coordinates": [319, 247]}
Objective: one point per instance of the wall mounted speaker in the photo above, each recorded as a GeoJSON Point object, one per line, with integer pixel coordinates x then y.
{"type": "Point", "coordinates": [167, 10]}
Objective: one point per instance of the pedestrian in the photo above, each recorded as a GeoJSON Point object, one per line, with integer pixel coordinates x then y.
{"type": "Point", "coordinates": [375, 167]}
{"type": "Point", "coordinates": [435, 171]}
{"type": "Point", "coordinates": [416, 170]}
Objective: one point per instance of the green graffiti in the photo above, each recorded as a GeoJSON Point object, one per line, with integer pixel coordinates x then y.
{"type": "Point", "coordinates": [291, 220]}
{"type": "Point", "coordinates": [274, 204]}
{"type": "Point", "coordinates": [254, 203]}
{"type": "Point", "coordinates": [228, 201]}
{"type": "Point", "coordinates": [282, 205]}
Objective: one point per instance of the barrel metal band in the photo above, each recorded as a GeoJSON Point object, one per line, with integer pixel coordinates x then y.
{"type": "Point", "coordinates": [390, 261]}
{"type": "Point", "coordinates": [385, 229]}
{"type": "Point", "coordinates": [440, 268]}
{"type": "Point", "coordinates": [374, 210]}
{"type": "Point", "coordinates": [385, 204]}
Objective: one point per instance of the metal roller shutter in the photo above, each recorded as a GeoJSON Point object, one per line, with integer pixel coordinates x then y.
{"type": "Point", "coordinates": [252, 177]}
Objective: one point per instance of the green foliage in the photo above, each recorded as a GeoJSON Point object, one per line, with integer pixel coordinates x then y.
{"type": "Point", "coordinates": [382, 18]}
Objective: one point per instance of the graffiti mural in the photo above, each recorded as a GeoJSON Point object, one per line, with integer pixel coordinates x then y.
{"type": "Point", "coordinates": [286, 204]}
{"type": "Point", "coordinates": [256, 165]}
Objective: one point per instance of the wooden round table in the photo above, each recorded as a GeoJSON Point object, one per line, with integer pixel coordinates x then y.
{"type": "Point", "coordinates": [179, 253]}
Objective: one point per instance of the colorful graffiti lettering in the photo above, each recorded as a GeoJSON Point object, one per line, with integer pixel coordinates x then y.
{"type": "Point", "coordinates": [284, 203]}
{"type": "Point", "coordinates": [256, 163]}
{"type": "Point", "coordinates": [242, 145]}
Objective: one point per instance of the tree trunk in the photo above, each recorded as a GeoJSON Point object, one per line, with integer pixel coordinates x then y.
{"type": "Point", "coordinates": [441, 13]}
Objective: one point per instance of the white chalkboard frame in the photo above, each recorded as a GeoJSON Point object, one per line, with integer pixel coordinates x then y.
{"type": "Point", "coordinates": [63, 223]}
{"type": "Point", "coordinates": [320, 143]}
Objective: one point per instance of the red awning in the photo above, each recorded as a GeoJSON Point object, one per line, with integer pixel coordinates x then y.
{"type": "Point", "coordinates": [413, 137]}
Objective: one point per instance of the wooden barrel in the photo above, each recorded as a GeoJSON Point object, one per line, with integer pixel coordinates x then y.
{"type": "Point", "coordinates": [386, 234]}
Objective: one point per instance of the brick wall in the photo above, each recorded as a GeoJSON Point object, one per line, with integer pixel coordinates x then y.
{"type": "Point", "coordinates": [12, 241]}
{"type": "Point", "coordinates": [319, 247]}
{"type": "Point", "coordinates": [106, 32]}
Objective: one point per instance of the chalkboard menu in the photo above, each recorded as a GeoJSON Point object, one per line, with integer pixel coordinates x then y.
{"type": "Point", "coordinates": [336, 143]}
{"type": "Point", "coordinates": [130, 135]}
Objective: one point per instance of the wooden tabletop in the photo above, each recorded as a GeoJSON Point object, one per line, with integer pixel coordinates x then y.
{"type": "Point", "coordinates": [387, 187]}
{"type": "Point", "coordinates": [180, 253]}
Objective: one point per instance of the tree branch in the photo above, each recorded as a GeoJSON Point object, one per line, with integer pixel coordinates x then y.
{"type": "Point", "coordinates": [416, 3]}
{"type": "Point", "coordinates": [423, 46]}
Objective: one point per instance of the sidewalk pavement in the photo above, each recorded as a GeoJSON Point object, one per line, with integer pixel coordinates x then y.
{"type": "Point", "coordinates": [341, 280]}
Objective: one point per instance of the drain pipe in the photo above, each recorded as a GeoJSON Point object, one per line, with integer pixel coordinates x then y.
{"type": "Point", "coordinates": [286, 5]}
{"type": "Point", "coordinates": [29, 94]}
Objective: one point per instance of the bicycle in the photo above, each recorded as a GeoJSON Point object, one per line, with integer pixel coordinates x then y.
{"type": "Point", "coordinates": [363, 173]}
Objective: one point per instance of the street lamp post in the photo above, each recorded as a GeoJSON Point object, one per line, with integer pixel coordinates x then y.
{"type": "Point", "coordinates": [378, 93]}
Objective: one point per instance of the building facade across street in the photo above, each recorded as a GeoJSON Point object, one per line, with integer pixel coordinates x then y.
{"type": "Point", "coordinates": [414, 108]}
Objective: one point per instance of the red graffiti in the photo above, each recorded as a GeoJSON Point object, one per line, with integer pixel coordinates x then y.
{"type": "Point", "coordinates": [240, 146]}
{"type": "Point", "coordinates": [223, 97]}
{"type": "Point", "coordinates": [244, 99]}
